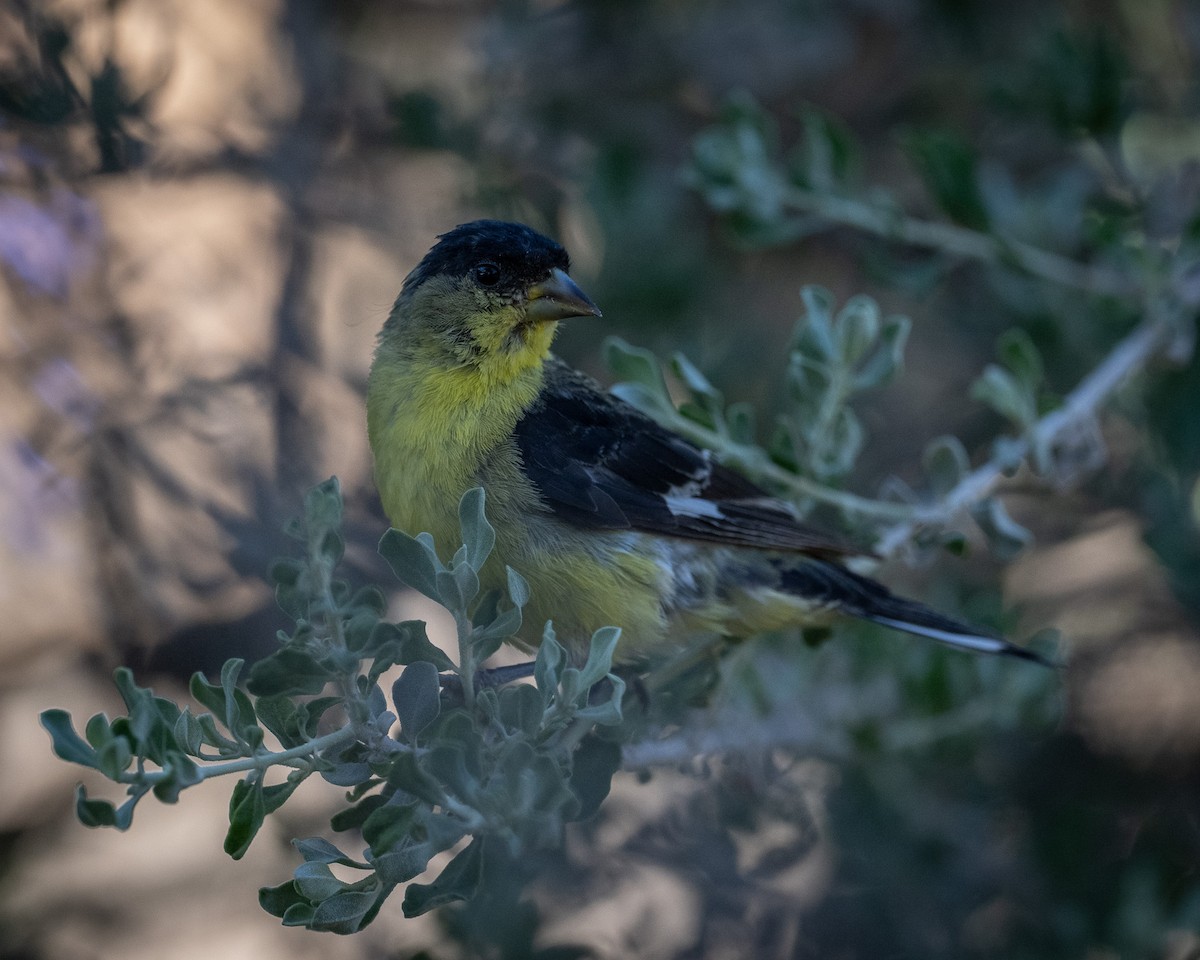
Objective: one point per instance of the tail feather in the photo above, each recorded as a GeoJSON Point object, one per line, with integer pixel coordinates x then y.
{"type": "Point", "coordinates": [862, 597]}
{"type": "Point", "coordinates": [955, 634]}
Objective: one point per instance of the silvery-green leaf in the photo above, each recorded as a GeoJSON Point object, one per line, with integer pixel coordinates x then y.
{"type": "Point", "coordinates": [410, 562]}
{"type": "Point", "coordinates": [887, 360]}
{"type": "Point", "coordinates": [1019, 355]}
{"type": "Point", "coordinates": [600, 653]}
{"type": "Point", "coordinates": [1005, 536]}
{"type": "Point", "coordinates": [518, 587]}
{"type": "Point", "coordinates": [858, 324]}
{"type": "Point", "coordinates": [635, 365]}
{"type": "Point", "coordinates": [1001, 391]}
{"type": "Point", "coordinates": [478, 535]}
{"type": "Point", "coordinates": [945, 462]}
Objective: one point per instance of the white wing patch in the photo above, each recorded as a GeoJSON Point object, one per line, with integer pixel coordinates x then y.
{"type": "Point", "coordinates": [684, 500]}
{"type": "Point", "coordinates": [692, 507]}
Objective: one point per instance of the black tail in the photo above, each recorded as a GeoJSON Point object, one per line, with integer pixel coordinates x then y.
{"type": "Point", "coordinates": [834, 585]}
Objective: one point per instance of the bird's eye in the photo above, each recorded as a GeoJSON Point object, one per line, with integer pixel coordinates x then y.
{"type": "Point", "coordinates": [487, 273]}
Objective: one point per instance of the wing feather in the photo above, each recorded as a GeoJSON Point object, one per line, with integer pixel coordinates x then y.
{"type": "Point", "coordinates": [601, 464]}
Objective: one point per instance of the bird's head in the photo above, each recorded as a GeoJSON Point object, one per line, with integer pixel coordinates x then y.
{"type": "Point", "coordinates": [488, 294]}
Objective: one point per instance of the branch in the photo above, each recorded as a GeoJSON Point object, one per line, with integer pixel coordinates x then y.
{"type": "Point", "coordinates": [961, 242]}
{"type": "Point", "coordinates": [756, 462]}
{"type": "Point", "coordinates": [260, 761]}
{"type": "Point", "coordinates": [785, 729]}
{"type": "Point", "coordinates": [1081, 404]}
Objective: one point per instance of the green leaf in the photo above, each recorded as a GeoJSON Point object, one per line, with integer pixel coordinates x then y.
{"type": "Point", "coordinates": [946, 463]}
{"type": "Point", "coordinates": [370, 598]}
{"type": "Point", "coordinates": [315, 881]}
{"type": "Point", "coordinates": [239, 711]}
{"type": "Point", "coordinates": [179, 773]}
{"type": "Point", "coordinates": [277, 900]}
{"type": "Point", "coordinates": [518, 587]}
{"type": "Point", "coordinates": [114, 758]}
{"type": "Point", "coordinates": [358, 630]}
{"type": "Point", "coordinates": [94, 813]}
{"type": "Point", "coordinates": [600, 653]}
{"type": "Point", "coordinates": [288, 672]}
{"type": "Point", "coordinates": [299, 915]}
{"type": "Point", "coordinates": [521, 709]}
{"type": "Point", "coordinates": [308, 715]}
{"type": "Point", "coordinates": [491, 638]}
{"type": "Point", "coordinates": [1019, 354]}
{"type": "Point", "coordinates": [320, 850]}
{"type": "Point", "coordinates": [606, 713]}
{"type": "Point", "coordinates": [390, 825]}
{"type": "Point", "coordinates": [98, 731]}
{"type": "Point", "coordinates": [323, 507]}
{"type": "Point", "coordinates": [1001, 391]}
{"type": "Point", "coordinates": [247, 810]}
{"type": "Point", "coordinates": [189, 734]}
{"type": "Point", "coordinates": [449, 591]}
{"type": "Point", "coordinates": [547, 664]}
{"type": "Point", "coordinates": [488, 639]}
{"type": "Point", "coordinates": [829, 156]}
{"type": "Point", "coordinates": [406, 861]}
{"type": "Point", "coordinates": [458, 881]}
{"type": "Point", "coordinates": [279, 715]}
{"type": "Point", "coordinates": [213, 737]}
{"type": "Point", "coordinates": [712, 403]}
{"type": "Point", "coordinates": [447, 763]}
{"type": "Point", "coordinates": [814, 333]}
{"type": "Point", "coordinates": [411, 562]}
{"type": "Point", "coordinates": [948, 166]}
{"type": "Point", "coordinates": [592, 767]}
{"type": "Point", "coordinates": [347, 773]}
{"type": "Point", "coordinates": [478, 536]}
{"type": "Point", "coordinates": [416, 646]}
{"type": "Point", "coordinates": [416, 695]}
{"type": "Point", "coordinates": [885, 363]}
{"type": "Point", "coordinates": [352, 818]}
{"type": "Point", "coordinates": [467, 581]}
{"type": "Point", "coordinates": [858, 326]}
{"type": "Point", "coordinates": [208, 695]}
{"type": "Point", "coordinates": [344, 913]}
{"type": "Point", "coordinates": [275, 795]}
{"type": "Point", "coordinates": [331, 547]}
{"type": "Point", "coordinates": [407, 774]}
{"type": "Point", "coordinates": [1005, 536]}
{"type": "Point", "coordinates": [638, 367]}
{"type": "Point", "coordinates": [66, 743]}
{"type": "Point", "coordinates": [139, 701]}
{"type": "Point", "coordinates": [545, 788]}
{"type": "Point", "coordinates": [741, 423]}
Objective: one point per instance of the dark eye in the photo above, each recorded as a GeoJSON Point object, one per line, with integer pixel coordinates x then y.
{"type": "Point", "coordinates": [487, 273]}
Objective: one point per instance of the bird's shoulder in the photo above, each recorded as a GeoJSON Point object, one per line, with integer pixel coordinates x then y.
{"type": "Point", "coordinates": [600, 463]}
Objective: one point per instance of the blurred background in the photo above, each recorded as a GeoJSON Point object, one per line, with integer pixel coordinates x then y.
{"type": "Point", "coordinates": [206, 210]}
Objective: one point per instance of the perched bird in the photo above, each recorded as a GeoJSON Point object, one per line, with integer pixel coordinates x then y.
{"type": "Point", "coordinates": [612, 518]}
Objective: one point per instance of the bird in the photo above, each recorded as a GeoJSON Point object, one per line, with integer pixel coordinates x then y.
{"type": "Point", "coordinates": [612, 518]}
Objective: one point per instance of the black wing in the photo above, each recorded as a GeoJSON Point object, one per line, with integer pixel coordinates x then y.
{"type": "Point", "coordinates": [600, 463]}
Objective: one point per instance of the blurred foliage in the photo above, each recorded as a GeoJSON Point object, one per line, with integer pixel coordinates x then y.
{"type": "Point", "coordinates": [1021, 180]}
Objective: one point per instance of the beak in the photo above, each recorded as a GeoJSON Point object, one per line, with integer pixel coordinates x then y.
{"type": "Point", "coordinates": [557, 298]}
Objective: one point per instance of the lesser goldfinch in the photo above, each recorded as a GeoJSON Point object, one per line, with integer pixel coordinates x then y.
{"type": "Point", "coordinates": [612, 518]}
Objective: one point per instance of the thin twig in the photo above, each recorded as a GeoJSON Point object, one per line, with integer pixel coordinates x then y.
{"type": "Point", "coordinates": [961, 242]}
{"type": "Point", "coordinates": [787, 729]}
{"type": "Point", "coordinates": [757, 463]}
{"type": "Point", "coordinates": [260, 761]}
{"type": "Point", "coordinates": [1128, 357]}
